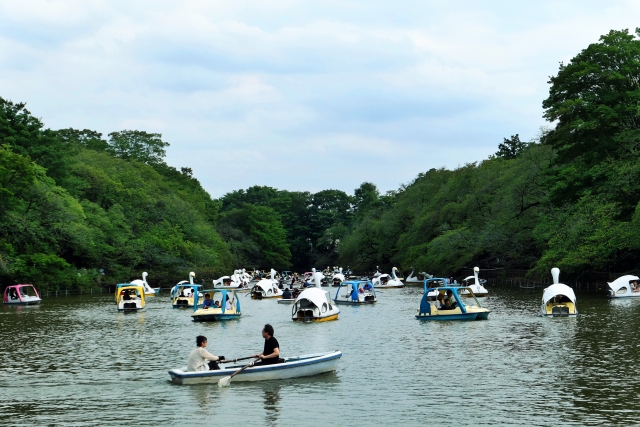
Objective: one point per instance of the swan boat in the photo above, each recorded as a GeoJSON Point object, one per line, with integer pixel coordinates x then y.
{"type": "Point", "coordinates": [459, 310]}
{"type": "Point", "coordinates": [183, 294]}
{"type": "Point", "coordinates": [337, 278]}
{"type": "Point", "coordinates": [219, 311]}
{"type": "Point", "coordinates": [22, 294]}
{"type": "Point", "coordinates": [266, 288]}
{"type": "Point", "coordinates": [236, 282]}
{"type": "Point", "coordinates": [558, 300]}
{"type": "Point", "coordinates": [148, 290]}
{"type": "Point", "coordinates": [475, 284]}
{"type": "Point", "coordinates": [387, 281]}
{"type": "Point", "coordinates": [314, 305]}
{"type": "Point", "coordinates": [293, 367]}
{"type": "Point", "coordinates": [130, 297]}
{"type": "Point", "coordinates": [355, 292]}
{"type": "Point", "coordinates": [623, 287]}
{"type": "Point", "coordinates": [420, 278]}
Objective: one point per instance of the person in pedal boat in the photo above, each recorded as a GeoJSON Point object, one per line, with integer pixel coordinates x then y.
{"type": "Point", "coordinates": [271, 352]}
{"type": "Point", "coordinates": [200, 359]}
{"type": "Point", "coordinates": [208, 302]}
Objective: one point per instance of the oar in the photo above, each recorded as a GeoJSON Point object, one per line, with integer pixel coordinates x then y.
{"type": "Point", "coordinates": [226, 381]}
{"type": "Point", "coordinates": [234, 360]}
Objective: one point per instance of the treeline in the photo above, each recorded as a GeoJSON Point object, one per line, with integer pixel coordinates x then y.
{"type": "Point", "coordinates": [77, 209]}
{"type": "Point", "coordinates": [568, 199]}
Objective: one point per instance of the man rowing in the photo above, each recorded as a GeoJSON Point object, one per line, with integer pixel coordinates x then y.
{"type": "Point", "coordinates": [271, 352]}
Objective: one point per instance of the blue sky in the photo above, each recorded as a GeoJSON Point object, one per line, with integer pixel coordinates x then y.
{"type": "Point", "coordinates": [299, 95]}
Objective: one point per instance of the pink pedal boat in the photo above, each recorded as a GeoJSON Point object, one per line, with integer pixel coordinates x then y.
{"type": "Point", "coordinates": [21, 295]}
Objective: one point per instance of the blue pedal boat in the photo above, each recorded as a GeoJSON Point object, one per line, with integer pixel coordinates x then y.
{"type": "Point", "coordinates": [457, 310]}
{"type": "Point", "coordinates": [355, 292]}
{"type": "Point", "coordinates": [219, 309]}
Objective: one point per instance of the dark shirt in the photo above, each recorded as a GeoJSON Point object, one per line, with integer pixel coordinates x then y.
{"type": "Point", "coordinates": [286, 294]}
{"type": "Point", "coordinates": [269, 346]}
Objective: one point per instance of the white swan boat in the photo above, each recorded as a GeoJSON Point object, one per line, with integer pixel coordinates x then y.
{"type": "Point", "coordinates": [337, 278]}
{"type": "Point", "coordinates": [418, 279]}
{"type": "Point", "coordinates": [355, 292]}
{"type": "Point", "coordinates": [236, 282]}
{"type": "Point", "coordinates": [623, 287]}
{"type": "Point", "coordinates": [293, 367]}
{"type": "Point", "coordinates": [148, 290]}
{"type": "Point", "coordinates": [558, 300]}
{"type": "Point", "coordinates": [475, 284]}
{"type": "Point", "coordinates": [266, 288]}
{"type": "Point", "coordinates": [21, 295]}
{"type": "Point", "coordinates": [130, 297]}
{"type": "Point", "coordinates": [387, 281]}
{"type": "Point", "coordinates": [314, 305]}
{"type": "Point", "coordinates": [182, 294]}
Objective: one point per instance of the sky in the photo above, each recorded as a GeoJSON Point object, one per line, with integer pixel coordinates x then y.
{"type": "Point", "coordinates": [299, 95]}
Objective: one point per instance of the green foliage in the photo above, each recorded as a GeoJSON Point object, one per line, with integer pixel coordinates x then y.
{"type": "Point", "coordinates": [510, 148]}
{"type": "Point", "coordinates": [138, 145]}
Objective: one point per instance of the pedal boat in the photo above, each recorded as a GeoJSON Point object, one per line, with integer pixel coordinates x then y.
{"type": "Point", "coordinates": [420, 278]}
{"type": "Point", "coordinates": [623, 287]}
{"type": "Point", "coordinates": [314, 305]}
{"type": "Point", "coordinates": [387, 281]}
{"type": "Point", "coordinates": [353, 292]}
{"type": "Point", "coordinates": [130, 298]}
{"type": "Point", "coordinates": [208, 314]}
{"type": "Point", "coordinates": [463, 310]}
{"type": "Point", "coordinates": [558, 300]}
{"type": "Point", "coordinates": [237, 282]}
{"type": "Point", "coordinates": [266, 288]}
{"type": "Point", "coordinates": [148, 290]}
{"type": "Point", "coordinates": [475, 284]}
{"type": "Point", "coordinates": [22, 294]}
{"type": "Point", "coordinates": [183, 294]}
{"type": "Point", "coordinates": [293, 367]}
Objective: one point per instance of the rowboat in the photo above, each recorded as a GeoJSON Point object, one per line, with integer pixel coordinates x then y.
{"type": "Point", "coordinates": [314, 305]}
{"type": "Point", "coordinates": [355, 292]}
{"type": "Point", "coordinates": [623, 287]}
{"type": "Point", "coordinates": [130, 297]}
{"type": "Point", "coordinates": [219, 311]}
{"type": "Point", "coordinates": [459, 310]}
{"type": "Point", "coordinates": [558, 300]}
{"type": "Point", "coordinates": [21, 295]}
{"type": "Point", "coordinates": [293, 367]}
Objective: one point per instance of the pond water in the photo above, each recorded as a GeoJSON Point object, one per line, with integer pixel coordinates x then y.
{"type": "Point", "coordinates": [75, 361]}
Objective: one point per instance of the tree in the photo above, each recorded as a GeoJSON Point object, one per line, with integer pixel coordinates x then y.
{"type": "Point", "coordinates": [510, 148]}
{"type": "Point", "coordinates": [138, 145]}
{"type": "Point", "coordinates": [87, 138]}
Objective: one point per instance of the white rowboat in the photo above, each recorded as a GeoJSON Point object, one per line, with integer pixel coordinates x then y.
{"type": "Point", "coordinates": [293, 367]}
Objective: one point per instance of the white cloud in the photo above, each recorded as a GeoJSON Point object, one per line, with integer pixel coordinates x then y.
{"type": "Point", "coordinates": [302, 95]}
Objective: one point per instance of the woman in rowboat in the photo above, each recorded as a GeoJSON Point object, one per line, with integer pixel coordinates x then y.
{"type": "Point", "coordinates": [200, 359]}
{"type": "Point", "coordinates": [271, 352]}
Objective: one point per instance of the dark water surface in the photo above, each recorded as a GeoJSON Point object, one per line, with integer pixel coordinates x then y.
{"type": "Point", "coordinates": [75, 361]}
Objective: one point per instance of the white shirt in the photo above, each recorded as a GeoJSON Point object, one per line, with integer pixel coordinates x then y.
{"type": "Point", "coordinates": [228, 306]}
{"type": "Point", "coordinates": [198, 359]}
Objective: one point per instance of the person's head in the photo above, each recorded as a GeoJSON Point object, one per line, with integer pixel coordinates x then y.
{"type": "Point", "coordinates": [207, 296]}
{"type": "Point", "coordinates": [267, 331]}
{"type": "Point", "coordinates": [201, 341]}
{"type": "Point", "coordinates": [449, 293]}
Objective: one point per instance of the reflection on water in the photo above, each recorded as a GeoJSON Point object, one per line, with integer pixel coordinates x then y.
{"type": "Point", "coordinates": [71, 360]}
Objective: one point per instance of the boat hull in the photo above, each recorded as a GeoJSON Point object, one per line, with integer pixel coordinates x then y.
{"type": "Point", "coordinates": [294, 367]}
{"type": "Point", "coordinates": [214, 317]}
{"type": "Point", "coordinates": [389, 287]}
{"type": "Point", "coordinates": [459, 317]}
{"type": "Point", "coordinates": [286, 301]}
{"type": "Point", "coordinates": [316, 319]}
{"type": "Point", "coordinates": [260, 296]}
{"type": "Point", "coordinates": [32, 302]}
{"type": "Point", "coordinates": [339, 301]}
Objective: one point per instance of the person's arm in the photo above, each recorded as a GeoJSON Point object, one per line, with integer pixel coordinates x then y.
{"type": "Point", "coordinates": [276, 353]}
{"type": "Point", "coordinates": [208, 356]}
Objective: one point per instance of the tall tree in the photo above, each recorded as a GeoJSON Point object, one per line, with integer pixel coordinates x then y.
{"type": "Point", "coordinates": [138, 145]}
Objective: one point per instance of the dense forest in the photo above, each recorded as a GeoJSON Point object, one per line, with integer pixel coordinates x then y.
{"type": "Point", "coordinates": [79, 210]}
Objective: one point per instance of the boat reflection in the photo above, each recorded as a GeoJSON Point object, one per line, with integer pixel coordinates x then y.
{"type": "Point", "coordinates": [272, 403]}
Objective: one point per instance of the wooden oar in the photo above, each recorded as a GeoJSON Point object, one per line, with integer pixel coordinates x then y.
{"type": "Point", "coordinates": [226, 381]}
{"type": "Point", "coordinates": [235, 360]}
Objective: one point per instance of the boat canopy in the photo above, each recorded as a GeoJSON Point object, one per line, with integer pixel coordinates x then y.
{"type": "Point", "coordinates": [558, 289]}
{"type": "Point", "coordinates": [355, 285]}
{"type": "Point", "coordinates": [219, 295]}
{"type": "Point", "coordinates": [316, 296]}
{"type": "Point", "coordinates": [185, 285]}
{"type": "Point", "coordinates": [622, 281]}
{"type": "Point", "coordinates": [434, 283]}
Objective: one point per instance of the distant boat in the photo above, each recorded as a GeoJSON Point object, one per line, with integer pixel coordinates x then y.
{"type": "Point", "coordinates": [475, 284]}
{"type": "Point", "coordinates": [148, 290]}
{"type": "Point", "coordinates": [419, 278]}
{"type": "Point", "coordinates": [460, 309]}
{"type": "Point", "coordinates": [22, 294]}
{"type": "Point", "coordinates": [266, 288]}
{"type": "Point", "coordinates": [130, 297]}
{"type": "Point", "coordinates": [355, 292]}
{"type": "Point", "coordinates": [558, 300]}
{"type": "Point", "coordinates": [387, 281]}
{"type": "Point", "coordinates": [183, 294]}
{"type": "Point", "coordinates": [623, 287]}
